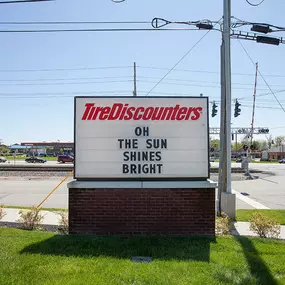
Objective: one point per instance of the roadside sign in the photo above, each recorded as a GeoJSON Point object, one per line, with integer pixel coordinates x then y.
{"type": "Point", "coordinates": [141, 138]}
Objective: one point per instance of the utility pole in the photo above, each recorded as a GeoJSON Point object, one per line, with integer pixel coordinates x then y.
{"type": "Point", "coordinates": [222, 162]}
{"type": "Point", "coordinates": [253, 106]}
{"type": "Point", "coordinates": [226, 199]}
{"type": "Point", "coordinates": [227, 83]}
{"type": "Point", "coordinates": [135, 80]}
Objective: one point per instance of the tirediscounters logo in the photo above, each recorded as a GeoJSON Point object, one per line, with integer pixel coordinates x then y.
{"type": "Point", "coordinates": [153, 138]}
{"type": "Point", "coordinates": [119, 111]}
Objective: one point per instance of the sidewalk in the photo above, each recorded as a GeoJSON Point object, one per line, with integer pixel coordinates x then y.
{"type": "Point", "coordinates": [12, 215]}
{"type": "Point", "coordinates": [51, 218]}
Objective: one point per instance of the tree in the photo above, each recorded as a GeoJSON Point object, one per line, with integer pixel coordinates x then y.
{"type": "Point", "coordinates": [237, 147]}
{"type": "Point", "coordinates": [255, 145]}
{"type": "Point", "coordinates": [215, 144]}
{"type": "Point", "coordinates": [4, 149]}
{"type": "Point", "coordinates": [269, 141]}
{"type": "Point", "coordinates": [278, 140]}
{"type": "Point", "coordinates": [264, 145]}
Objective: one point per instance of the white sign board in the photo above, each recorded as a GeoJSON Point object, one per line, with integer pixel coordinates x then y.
{"type": "Point", "coordinates": [141, 138]}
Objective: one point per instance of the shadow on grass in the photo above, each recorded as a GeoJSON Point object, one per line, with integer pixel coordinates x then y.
{"type": "Point", "coordinates": [163, 248]}
{"type": "Point", "coordinates": [256, 265]}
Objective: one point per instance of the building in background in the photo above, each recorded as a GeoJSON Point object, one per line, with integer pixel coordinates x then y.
{"type": "Point", "coordinates": [49, 148]}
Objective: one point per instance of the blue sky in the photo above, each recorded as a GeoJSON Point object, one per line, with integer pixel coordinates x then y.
{"type": "Point", "coordinates": [37, 105]}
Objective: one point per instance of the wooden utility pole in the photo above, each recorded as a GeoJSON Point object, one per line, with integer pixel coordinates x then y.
{"type": "Point", "coordinates": [135, 80]}
{"type": "Point", "coordinates": [253, 105]}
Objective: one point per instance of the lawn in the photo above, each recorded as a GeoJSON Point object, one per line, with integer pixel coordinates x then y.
{"type": "Point", "coordinates": [245, 215]}
{"type": "Point", "coordinates": [45, 258]}
{"type": "Point", "coordinates": [265, 162]}
{"type": "Point", "coordinates": [11, 158]}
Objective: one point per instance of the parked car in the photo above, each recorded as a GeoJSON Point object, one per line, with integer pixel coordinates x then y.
{"type": "Point", "coordinates": [3, 159]}
{"type": "Point", "coordinates": [282, 160]}
{"type": "Point", "coordinates": [239, 159]}
{"type": "Point", "coordinates": [35, 160]}
{"type": "Point", "coordinates": [65, 158]}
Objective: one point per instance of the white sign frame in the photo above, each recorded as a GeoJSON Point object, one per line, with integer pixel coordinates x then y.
{"type": "Point", "coordinates": [142, 178]}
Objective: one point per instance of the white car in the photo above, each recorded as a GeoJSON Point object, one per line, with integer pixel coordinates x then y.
{"type": "Point", "coordinates": [3, 159]}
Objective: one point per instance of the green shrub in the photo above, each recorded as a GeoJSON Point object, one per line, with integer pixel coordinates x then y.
{"type": "Point", "coordinates": [30, 219]}
{"type": "Point", "coordinates": [264, 226]}
{"type": "Point", "coordinates": [63, 223]}
{"type": "Point", "coordinates": [2, 212]}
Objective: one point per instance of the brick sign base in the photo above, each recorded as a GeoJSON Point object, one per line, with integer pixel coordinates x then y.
{"type": "Point", "coordinates": [140, 211]}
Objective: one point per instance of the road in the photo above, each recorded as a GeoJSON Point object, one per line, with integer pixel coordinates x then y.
{"type": "Point", "coordinates": [268, 192]}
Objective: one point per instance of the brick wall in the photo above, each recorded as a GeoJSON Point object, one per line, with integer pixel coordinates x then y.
{"type": "Point", "coordinates": [142, 211]}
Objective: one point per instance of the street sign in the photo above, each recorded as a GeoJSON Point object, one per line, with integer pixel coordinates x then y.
{"type": "Point", "coordinates": [141, 138]}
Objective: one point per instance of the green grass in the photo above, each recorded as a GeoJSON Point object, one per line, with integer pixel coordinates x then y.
{"type": "Point", "coordinates": [245, 215]}
{"type": "Point", "coordinates": [49, 158]}
{"type": "Point", "coordinates": [44, 209]}
{"type": "Point", "coordinates": [265, 162]}
{"type": "Point", "coordinates": [45, 258]}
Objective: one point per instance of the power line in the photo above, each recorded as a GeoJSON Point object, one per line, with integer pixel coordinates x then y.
{"type": "Point", "coordinates": [206, 71]}
{"type": "Point", "coordinates": [63, 79]}
{"type": "Point", "coordinates": [65, 69]}
{"type": "Point", "coordinates": [129, 66]}
{"type": "Point", "coordinates": [178, 61]}
{"type": "Point", "coordinates": [255, 5]}
{"type": "Point", "coordinates": [264, 94]}
{"type": "Point", "coordinates": [72, 94]}
{"type": "Point", "coordinates": [278, 127]}
{"type": "Point", "coordinates": [95, 30]}
{"type": "Point", "coordinates": [66, 83]}
{"type": "Point", "coordinates": [117, 81]}
{"type": "Point", "coordinates": [23, 1]}
{"type": "Point", "coordinates": [262, 77]}
{"type": "Point", "coordinates": [73, 22]}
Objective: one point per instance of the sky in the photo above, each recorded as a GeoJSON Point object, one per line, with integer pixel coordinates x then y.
{"type": "Point", "coordinates": [40, 73]}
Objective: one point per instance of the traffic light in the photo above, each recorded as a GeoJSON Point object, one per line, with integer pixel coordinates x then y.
{"type": "Point", "coordinates": [237, 109]}
{"type": "Point", "coordinates": [214, 110]}
{"type": "Point", "coordinates": [263, 130]}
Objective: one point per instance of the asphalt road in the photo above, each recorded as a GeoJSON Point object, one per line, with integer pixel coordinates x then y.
{"type": "Point", "coordinates": [268, 191]}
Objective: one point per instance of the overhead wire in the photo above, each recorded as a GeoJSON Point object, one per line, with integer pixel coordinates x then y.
{"type": "Point", "coordinates": [118, 81]}
{"type": "Point", "coordinates": [73, 22]}
{"type": "Point", "coordinates": [264, 94]}
{"type": "Point", "coordinates": [181, 59]}
{"type": "Point", "coordinates": [262, 76]}
{"type": "Point", "coordinates": [205, 71]}
{"type": "Point", "coordinates": [130, 66]}
{"type": "Point", "coordinates": [66, 69]}
{"type": "Point", "coordinates": [96, 30]}
{"type": "Point", "coordinates": [72, 94]}
{"type": "Point", "coordinates": [23, 1]}
{"type": "Point", "coordinates": [254, 5]}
